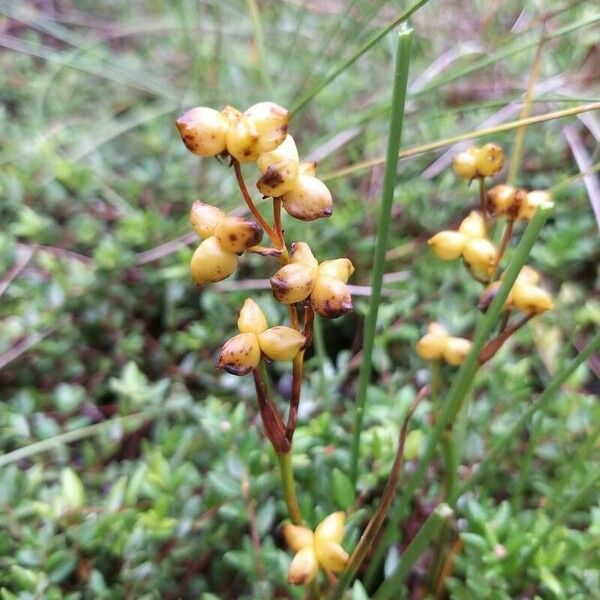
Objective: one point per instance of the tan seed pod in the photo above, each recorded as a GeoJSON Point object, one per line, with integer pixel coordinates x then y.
{"type": "Point", "coordinates": [447, 245]}
{"type": "Point", "coordinates": [281, 343]}
{"type": "Point", "coordinates": [203, 130]}
{"type": "Point", "coordinates": [503, 199]}
{"type": "Point", "coordinates": [437, 328]}
{"type": "Point", "coordinates": [531, 298]}
{"type": "Point", "coordinates": [473, 226]}
{"type": "Point", "coordinates": [285, 151]}
{"type": "Point", "coordinates": [432, 344]}
{"type": "Point", "coordinates": [308, 168]}
{"type": "Point", "coordinates": [331, 297]}
{"type": "Point", "coordinates": [308, 200]}
{"type": "Point", "coordinates": [210, 263]}
{"type": "Point", "coordinates": [204, 218]}
{"type": "Point", "coordinates": [242, 140]}
{"type": "Point", "coordinates": [297, 537]}
{"type": "Point", "coordinates": [528, 274]}
{"type": "Point", "coordinates": [532, 201]}
{"type": "Point", "coordinates": [251, 319]}
{"type": "Point", "coordinates": [331, 555]}
{"type": "Point", "coordinates": [490, 160]}
{"type": "Point", "coordinates": [465, 163]}
{"type": "Point", "coordinates": [236, 234]}
{"type": "Point", "coordinates": [331, 528]}
{"type": "Point", "coordinates": [240, 354]}
{"type": "Point", "coordinates": [231, 114]}
{"type": "Point", "coordinates": [302, 255]}
{"type": "Point", "coordinates": [293, 283]}
{"type": "Point", "coordinates": [480, 255]}
{"type": "Point", "coordinates": [456, 350]}
{"type": "Point", "coordinates": [304, 566]}
{"type": "Point", "coordinates": [271, 121]}
{"type": "Point", "coordinates": [340, 268]}
{"type": "Point", "coordinates": [278, 179]}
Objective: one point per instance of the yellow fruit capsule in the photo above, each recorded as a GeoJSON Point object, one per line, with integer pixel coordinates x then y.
{"type": "Point", "coordinates": [531, 298]}
{"type": "Point", "coordinates": [436, 328]}
{"type": "Point", "coordinates": [490, 160]}
{"type": "Point", "coordinates": [448, 245]}
{"type": "Point", "coordinates": [236, 234]}
{"type": "Point", "coordinates": [271, 122]}
{"type": "Point", "coordinates": [533, 200]}
{"type": "Point", "coordinates": [340, 268]}
{"type": "Point", "coordinates": [528, 275]}
{"type": "Point", "coordinates": [456, 350]}
{"type": "Point", "coordinates": [480, 255]}
{"type": "Point", "coordinates": [204, 218]}
{"type": "Point", "coordinates": [203, 131]}
{"type": "Point", "coordinates": [297, 537]}
{"type": "Point", "coordinates": [293, 283]}
{"type": "Point", "coordinates": [211, 263]}
{"type": "Point", "coordinates": [331, 527]}
{"type": "Point", "coordinates": [331, 556]}
{"type": "Point", "coordinates": [302, 255]}
{"type": "Point", "coordinates": [252, 318]}
{"type": "Point", "coordinates": [240, 354]}
{"type": "Point", "coordinates": [281, 343]}
{"type": "Point", "coordinates": [304, 566]}
{"type": "Point", "coordinates": [285, 151]}
{"type": "Point", "coordinates": [308, 200]}
{"type": "Point", "coordinates": [231, 114]}
{"type": "Point", "coordinates": [308, 168]}
{"type": "Point", "coordinates": [331, 297]}
{"type": "Point", "coordinates": [465, 163]}
{"type": "Point", "coordinates": [278, 178]}
{"type": "Point", "coordinates": [242, 140]}
{"type": "Point", "coordinates": [473, 226]}
{"type": "Point", "coordinates": [503, 199]}
{"type": "Point", "coordinates": [432, 344]}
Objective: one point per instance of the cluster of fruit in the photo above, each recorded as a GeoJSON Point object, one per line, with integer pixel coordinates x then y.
{"type": "Point", "coordinates": [471, 242]}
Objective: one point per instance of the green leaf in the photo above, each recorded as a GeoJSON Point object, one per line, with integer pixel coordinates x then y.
{"type": "Point", "coordinates": [342, 489]}
{"type": "Point", "coordinates": [72, 488]}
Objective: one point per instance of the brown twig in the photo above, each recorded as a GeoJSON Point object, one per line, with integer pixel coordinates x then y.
{"type": "Point", "coordinates": [446, 571]}
{"type": "Point", "coordinates": [490, 349]}
{"type": "Point", "coordinates": [388, 495]}
{"type": "Point", "coordinates": [248, 199]}
{"type": "Point", "coordinates": [297, 366]}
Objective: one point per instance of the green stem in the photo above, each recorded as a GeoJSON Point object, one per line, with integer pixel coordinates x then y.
{"type": "Point", "coordinates": [462, 381]}
{"type": "Point", "coordinates": [559, 379]}
{"type": "Point", "coordinates": [383, 227]}
{"type": "Point", "coordinates": [419, 544]}
{"type": "Point", "coordinates": [364, 48]}
{"type": "Point", "coordinates": [288, 487]}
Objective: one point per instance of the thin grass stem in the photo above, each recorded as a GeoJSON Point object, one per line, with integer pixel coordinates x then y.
{"type": "Point", "coordinates": [383, 228]}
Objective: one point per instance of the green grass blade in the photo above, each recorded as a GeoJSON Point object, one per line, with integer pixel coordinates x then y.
{"type": "Point", "coordinates": [463, 378]}
{"type": "Point", "coordinates": [419, 544]}
{"type": "Point", "coordinates": [383, 228]}
{"type": "Point", "coordinates": [364, 48]}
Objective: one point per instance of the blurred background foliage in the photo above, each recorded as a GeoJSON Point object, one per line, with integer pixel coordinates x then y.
{"type": "Point", "coordinates": [131, 468]}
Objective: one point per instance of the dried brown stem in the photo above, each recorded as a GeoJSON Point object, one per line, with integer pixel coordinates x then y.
{"type": "Point", "coordinates": [248, 199]}
{"type": "Point", "coordinates": [490, 349]}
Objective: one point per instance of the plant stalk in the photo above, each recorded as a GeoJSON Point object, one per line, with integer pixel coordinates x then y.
{"type": "Point", "coordinates": [383, 227]}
